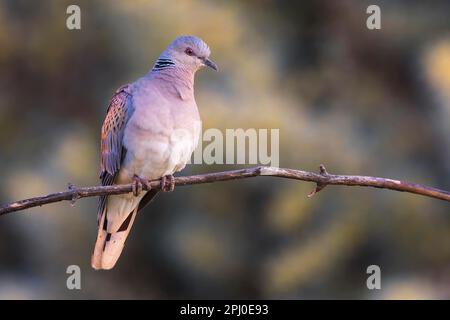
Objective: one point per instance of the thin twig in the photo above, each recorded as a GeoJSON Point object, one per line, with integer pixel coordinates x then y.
{"type": "Point", "coordinates": [322, 179]}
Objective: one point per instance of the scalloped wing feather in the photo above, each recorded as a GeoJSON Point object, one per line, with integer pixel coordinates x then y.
{"type": "Point", "coordinates": [119, 112]}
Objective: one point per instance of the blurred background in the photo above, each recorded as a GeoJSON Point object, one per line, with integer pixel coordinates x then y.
{"type": "Point", "coordinates": [369, 102]}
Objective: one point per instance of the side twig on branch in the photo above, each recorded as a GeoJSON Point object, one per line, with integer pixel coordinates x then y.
{"type": "Point", "coordinates": [322, 179]}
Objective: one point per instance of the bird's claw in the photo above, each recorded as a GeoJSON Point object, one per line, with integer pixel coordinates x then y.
{"type": "Point", "coordinates": [138, 184]}
{"type": "Point", "coordinates": [164, 186]}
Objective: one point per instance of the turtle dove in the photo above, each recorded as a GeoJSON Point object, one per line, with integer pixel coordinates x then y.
{"type": "Point", "coordinates": [151, 128]}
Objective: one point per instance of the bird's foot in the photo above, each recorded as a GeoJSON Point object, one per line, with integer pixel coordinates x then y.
{"type": "Point", "coordinates": [138, 184]}
{"type": "Point", "coordinates": [164, 186]}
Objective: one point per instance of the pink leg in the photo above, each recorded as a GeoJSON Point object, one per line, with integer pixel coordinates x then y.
{"type": "Point", "coordinates": [171, 186]}
{"type": "Point", "coordinates": [138, 184]}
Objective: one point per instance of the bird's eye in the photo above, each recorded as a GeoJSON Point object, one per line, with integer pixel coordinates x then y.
{"type": "Point", "coordinates": [189, 51]}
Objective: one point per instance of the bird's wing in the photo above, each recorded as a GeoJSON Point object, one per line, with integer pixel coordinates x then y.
{"type": "Point", "coordinates": [113, 152]}
{"type": "Point", "coordinates": [119, 112]}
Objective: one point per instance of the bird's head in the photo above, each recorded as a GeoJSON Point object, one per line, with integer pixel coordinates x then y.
{"type": "Point", "coordinates": [188, 52]}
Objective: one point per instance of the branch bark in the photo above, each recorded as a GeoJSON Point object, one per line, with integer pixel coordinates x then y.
{"type": "Point", "coordinates": [322, 179]}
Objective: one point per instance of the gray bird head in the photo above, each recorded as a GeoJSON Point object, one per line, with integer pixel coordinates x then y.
{"type": "Point", "coordinates": [189, 52]}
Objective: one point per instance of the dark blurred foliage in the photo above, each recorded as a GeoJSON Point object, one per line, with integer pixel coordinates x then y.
{"type": "Point", "coordinates": [360, 101]}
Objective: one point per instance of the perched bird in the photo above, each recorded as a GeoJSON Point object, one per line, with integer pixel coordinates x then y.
{"type": "Point", "coordinates": [151, 128]}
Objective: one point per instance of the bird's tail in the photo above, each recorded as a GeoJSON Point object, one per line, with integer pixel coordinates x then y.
{"type": "Point", "coordinates": [109, 245]}
{"type": "Point", "coordinates": [116, 217]}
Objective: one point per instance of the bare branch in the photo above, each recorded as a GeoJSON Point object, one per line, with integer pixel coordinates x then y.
{"type": "Point", "coordinates": [322, 179]}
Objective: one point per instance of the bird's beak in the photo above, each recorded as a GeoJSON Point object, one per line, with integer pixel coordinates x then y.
{"type": "Point", "coordinates": [210, 64]}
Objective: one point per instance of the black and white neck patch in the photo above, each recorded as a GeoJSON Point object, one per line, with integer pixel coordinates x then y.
{"type": "Point", "coordinates": [163, 63]}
